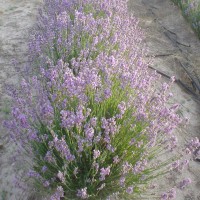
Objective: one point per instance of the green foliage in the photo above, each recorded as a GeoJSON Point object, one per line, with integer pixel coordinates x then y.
{"type": "Point", "coordinates": [85, 162]}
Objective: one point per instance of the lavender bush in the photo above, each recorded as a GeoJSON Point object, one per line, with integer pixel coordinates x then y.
{"type": "Point", "coordinates": [191, 10]}
{"type": "Point", "coordinates": [94, 119]}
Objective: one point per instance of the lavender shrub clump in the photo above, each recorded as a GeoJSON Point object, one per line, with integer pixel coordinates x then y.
{"type": "Point", "coordinates": [93, 118]}
{"type": "Point", "coordinates": [191, 10]}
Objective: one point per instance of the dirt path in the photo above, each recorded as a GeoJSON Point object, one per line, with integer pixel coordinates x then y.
{"type": "Point", "coordinates": [16, 18]}
{"type": "Point", "coordinates": [177, 51]}
{"type": "Point", "coordinates": [169, 38]}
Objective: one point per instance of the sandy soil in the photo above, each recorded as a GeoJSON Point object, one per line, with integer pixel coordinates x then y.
{"type": "Point", "coordinates": [169, 38]}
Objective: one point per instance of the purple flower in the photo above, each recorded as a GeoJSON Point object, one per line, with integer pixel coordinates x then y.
{"type": "Point", "coordinates": [68, 119]}
{"type": "Point", "coordinates": [58, 194]}
{"type": "Point", "coordinates": [82, 193]}
{"type": "Point", "coordinates": [126, 167]}
{"type": "Point", "coordinates": [44, 169]}
{"type": "Point", "coordinates": [116, 159]}
{"type": "Point", "coordinates": [122, 181]}
{"type": "Point", "coordinates": [107, 93]}
{"type": "Point", "coordinates": [96, 153]}
{"type": "Point", "coordinates": [104, 172]}
{"type": "Point", "coordinates": [183, 164]}
{"type": "Point", "coordinates": [172, 193]}
{"type": "Point", "coordinates": [49, 157]}
{"type": "Point", "coordinates": [23, 120]}
{"type": "Point", "coordinates": [164, 196]}
{"type": "Point", "coordinates": [193, 144]}
{"type": "Point", "coordinates": [129, 190]}
{"type": "Point", "coordinates": [46, 183]}
{"type": "Point", "coordinates": [62, 147]}
{"type": "Point", "coordinates": [33, 136]}
{"type": "Point", "coordinates": [32, 174]}
{"type": "Point", "coordinates": [110, 147]}
{"type": "Point", "coordinates": [122, 107]}
{"type": "Point", "coordinates": [132, 141]}
{"type": "Point", "coordinates": [175, 165]}
{"type": "Point", "coordinates": [184, 183]}
{"type": "Point", "coordinates": [61, 176]}
{"type": "Point", "coordinates": [187, 151]}
{"type": "Point", "coordinates": [139, 166]}
{"type": "Point", "coordinates": [80, 145]}
{"type": "Point", "coordinates": [93, 121]}
{"type": "Point", "coordinates": [109, 126]}
{"type": "Point", "coordinates": [89, 133]}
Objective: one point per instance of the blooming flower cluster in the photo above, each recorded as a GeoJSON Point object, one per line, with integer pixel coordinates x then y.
{"type": "Point", "coordinates": [94, 118]}
{"type": "Point", "coordinates": [184, 183]}
{"type": "Point", "coordinates": [171, 194]}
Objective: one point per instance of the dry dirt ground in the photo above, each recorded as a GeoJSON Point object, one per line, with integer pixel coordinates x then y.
{"type": "Point", "coordinates": [170, 40]}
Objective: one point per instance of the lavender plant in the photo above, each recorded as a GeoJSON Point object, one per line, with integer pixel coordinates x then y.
{"type": "Point", "coordinates": [191, 10]}
{"type": "Point", "coordinates": [94, 119]}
